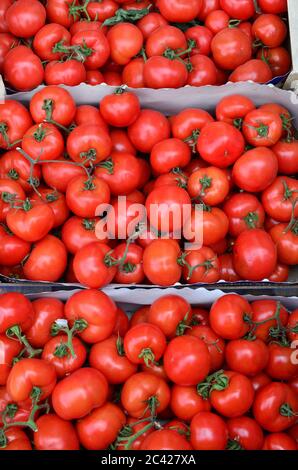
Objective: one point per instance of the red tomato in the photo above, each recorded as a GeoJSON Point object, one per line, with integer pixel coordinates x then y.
{"type": "Point", "coordinates": [16, 440]}
{"type": "Point", "coordinates": [231, 47]}
{"type": "Point", "coordinates": [92, 265]}
{"type": "Point", "coordinates": [131, 272]}
{"type": "Point", "coordinates": [133, 72]}
{"type": "Point", "coordinates": [5, 4]}
{"type": "Point", "coordinates": [186, 402]}
{"type": "Point", "coordinates": [31, 222]}
{"type": "Point", "coordinates": [163, 72]}
{"type": "Point", "coordinates": [47, 38]}
{"type": "Point", "coordinates": [259, 381]}
{"type": "Point", "coordinates": [97, 43]}
{"type": "Point", "coordinates": [53, 433]}
{"type": "Point", "coordinates": [58, 11]}
{"type": "Point", "coordinates": [254, 255]}
{"type": "Point", "coordinates": [255, 70]}
{"type": "Point", "coordinates": [79, 393]}
{"type": "Point", "coordinates": [53, 103]}
{"type": "Point", "coordinates": [23, 69]}
{"type": "Point", "coordinates": [136, 444]}
{"type": "Point", "coordinates": [232, 109]}
{"type": "Point", "coordinates": [279, 199]}
{"type": "Point", "coordinates": [58, 174]}
{"type": "Point", "coordinates": [120, 109]}
{"type": "Point", "coordinates": [88, 143]}
{"type": "Point", "coordinates": [262, 128]}
{"type": "Point", "coordinates": [273, 6]}
{"type": "Point", "coordinates": [94, 77]}
{"type": "Point", "coordinates": [244, 212]}
{"type": "Point", "coordinates": [286, 243]}
{"type": "Point", "coordinates": [139, 316]}
{"type": "Point", "coordinates": [14, 122]}
{"type": "Point", "coordinates": [160, 262]}
{"type": "Point", "coordinates": [149, 128]}
{"type": "Point", "coordinates": [121, 172]}
{"type": "Point", "coordinates": [226, 268]}
{"type": "Point", "coordinates": [144, 343]}
{"type": "Point", "coordinates": [43, 142]}
{"type": "Point", "coordinates": [200, 266]}
{"type": "Point", "coordinates": [70, 72]}
{"type": "Point", "coordinates": [171, 313]}
{"type": "Point", "coordinates": [78, 232]}
{"type": "Point", "coordinates": [46, 312]}
{"type": "Point", "coordinates": [87, 114]}
{"type": "Point", "coordinates": [47, 260]}
{"type": "Point", "coordinates": [242, 10]}
{"type": "Point", "coordinates": [62, 356]}
{"type": "Point", "coordinates": [269, 30]}
{"type": "Point", "coordinates": [217, 20]}
{"type": "Point", "coordinates": [280, 364]}
{"type": "Point", "coordinates": [84, 195]}
{"type": "Point", "coordinates": [7, 42]}
{"type": "Point", "coordinates": [208, 432]}
{"type": "Point", "coordinates": [122, 323]}
{"type": "Point", "coordinates": [215, 344]}
{"type": "Point", "coordinates": [187, 360]}
{"type": "Point", "coordinates": [56, 202]}
{"type": "Point", "coordinates": [228, 314]}
{"type": "Point", "coordinates": [203, 71]}
{"type": "Point", "coordinates": [287, 156]}
{"type": "Point", "coordinates": [150, 23]}
{"type": "Point", "coordinates": [245, 433]}
{"type": "Point", "coordinates": [165, 439]}
{"type": "Point", "coordinates": [278, 58]}
{"type": "Point", "coordinates": [211, 185]}
{"type": "Point", "coordinates": [267, 314]}
{"type": "Point", "coordinates": [15, 309]}
{"type": "Point", "coordinates": [126, 41]}
{"type": "Point", "coordinates": [247, 357]}
{"type": "Point", "coordinates": [220, 144]}
{"type": "Point", "coordinates": [121, 142]}
{"type": "Point", "coordinates": [101, 427]}
{"type": "Point", "coordinates": [13, 249]}
{"type": "Point", "coordinates": [281, 273]}
{"type": "Point", "coordinates": [279, 441]}
{"type": "Point", "coordinates": [24, 18]}
{"type": "Point", "coordinates": [165, 37]}
{"type": "Point", "coordinates": [179, 11]}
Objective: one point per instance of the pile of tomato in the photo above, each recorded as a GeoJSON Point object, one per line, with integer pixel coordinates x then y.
{"type": "Point", "coordinates": [154, 44]}
{"type": "Point", "coordinates": [172, 377]}
{"type": "Point", "coordinates": [62, 161]}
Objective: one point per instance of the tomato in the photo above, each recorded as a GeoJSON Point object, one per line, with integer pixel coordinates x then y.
{"type": "Point", "coordinates": [247, 357]}
{"type": "Point", "coordinates": [121, 142]}
{"type": "Point", "coordinates": [287, 156]}
{"type": "Point", "coordinates": [242, 10]}
{"type": "Point", "coordinates": [279, 199]}
{"type": "Point", "coordinates": [131, 272]}
{"type": "Point", "coordinates": [226, 268]}
{"type": "Point", "coordinates": [112, 78]}
{"type": "Point", "coordinates": [208, 431]}
{"type": "Point", "coordinates": [46, 312]}
{"type": "Point", "coordinates": [232, 109]}
{"type": "Point", "coordinates": [57, 352]}
{"type": "Point", "coordinates": [228, 316]}
{"type": "Point", "coordinates": [7, 42]}
{"type": "Point", "coordinates": [102, 10]}
{"type": "Point", "coordinates": [286, 243]}
{"type": "Point", "coordinates": [280, 365]}
{"type": "Point", "coordinates": [187, 124]}
{"type": "Point", "coordinates": [149, 128]}
{"type": "Point", "coordinates": [273, 6]}
{"type": "Point", "coordinates": [200, 316]}
{"type": "Point", "coordinates": [11, 193]}
{"type": "Point", "coordinates": [122, 323]}
{"type": "Point", "coordinates": [187, 360]}
{"type": "Point", "coordinates": [120, 109]}
{"type": "Point", "coordinates": [174, 178]}
{"type": "Point", "coordinates": [217, 20]}
{"type": "Point", "coordinates": [281, 273]}
{"type": "Point", "coordinates": [220, 144]}
{"type": "Point", "coordinates": [43, 142]}
{"type": "Point", "coordinates": [53, 433]}
{"type": "Point", "coordinates": [279, 441]}
{"type": "Point", "coordinates": [171, 313]}
{"type": "Point", "coordinates": [262, 128]}
{"type": "Point", "coordinates": [235, 397]}
{"type": "Point", "coordinates": [254, 255]}
{"type": "Point", "coordinates": [160, 262]}
{"type": "Point", "coordinates": [97, 42]}
{"type": "Point", "coordinates": [264, 313]}
{"type": "Point", "coordinates": [207, 7]}
{"type": "Point", "coordinates": [28, 374]}
{"type": "Point", "coordinates": [144, 343]}
{"type": "Point", "coordinates": [12, 249]}
{"type": "Point", "coordinates": [78, 232]}
{"type": "Point", "coordinates": [14, 122]}
{"type": "Point", "coordinates": [293, 432]}
{"type": "Point", "coordinates": [58, 11]}
{"type": "Point", "coordinates": [92, 266]}
{"type": "Point", "coordinates": [79, 393]}
{"type": "Point", "coordinates": [255, 170]}
{"type": "Point", "coordinates": [186, 402]}
{"type": "Point", "coordinates": [23, 69]}
{"type": "Point", "coordinates": [100, 428]}
{"type": "Point", "coordinates": [16, 440]}
{"type": "Point", "coordinates": [53, 103]}
{"type": "Point", "coordinates": [200, 266]}
{"type": "Point", "coordinates": [84, 195]}
{"type": "Point", "coordinates": [70, 72]}
{"type": "Point", "coordinates": [279, 60]}
{"type": "Point", "coordinates": [10, 348]}
{"type": "Point", "coordinates": [145, 394]}
{"type": "Point", "coordinates": [20, 411]}
{"type": "Point", "coordinates": [88, 143]}
{"type": "Point", "coordinates": [215, 344]}
{"type": "Point", "coordinates": [203, 71]}
{"type": "Point", "coordinates": [56, 202]}
{"type": "Point", "coordinates": [47, 260]}
{"type": "Point", "coordinates": [246, 433]}
{"type": "Point", "coordinates": [46, 39]}
{"type": "Point", "coordinates": [31, 221]}
{"type": "Point", "coordinates": [211, 185]}
{"type": "Point", "coordinates": [231, 47]}
{"type": "Point", "coordinates": [165, 439]}
{"type": "Point", "coordinates": [126, 41]}
{"type": "Point", "coordinates": [163, 72]}
{"type": "Point", "coordinates": [135, 428]}
{"type": "Point", "coordinates": [133, 73]}
{"type": "Point", "coordinates": [259, 381]}
{"type": "Point", "coordinates": [5, 4]}
{"type": "Point", "coordinates": [275, 406]}
{"type": "Point", "coordinates": [150, 23]}
{"type": "Point", "coordinates": [14, 166]}
{"type": "Point", "coordinates": [202, 36]}
{"type": "Point", "coordinates": [121, 172]}
{"type": "Point", "coordinates": [215, 225]}
{"type": "Point", "coordinates": [255, 70]}
{"type": "Point", "coordinates": [139, 316]}
{"type": "Point", "coordinates": [15, 309]}
{"type": "Point", "coordinates": [87, 114]}
{"type": "Point", "coordinates": [244, 212]}
{"type": "Point", "coordinates": [25, 18]}
{"type": "Point", "coordinates": [179, 11]}
{"type": "Point", "coordinates": [94, 77]}
{"type": "Point", "coordinates": [165, 37]}
{"type": "Point", "coordinates": [270, 30]}
{"type": "Point", "coordinates": [58, 174]}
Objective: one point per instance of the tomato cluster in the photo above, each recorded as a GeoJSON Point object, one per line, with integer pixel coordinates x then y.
{"type": "Point", "coordinates": [172, 377]}
{"type": "Point", "coordinates": [154, 44]}
{"type": "Point", "coordinates": [65, 166]}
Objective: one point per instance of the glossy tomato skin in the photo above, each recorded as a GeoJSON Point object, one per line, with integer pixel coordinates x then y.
{"type": "Point", "coordinates": [144, 343]}
{"type": "Point", "coordinates": [84, 195]}
{"type": "Point", "coordinates": [170, 312]}
{"type": "Point", "coordinates": [46, 312]}
{"type": "Point", "coordinates": [23, 69]}
{"type": "Point", "coordinates": [254, 255]}
{"type": "Point", "coordinates": [255, 70]}
{"type": "Point", "coordinates": [244, 211]}
{"type": "Point", "coordinates": [262, 128]}
{"type": "Point", "coordinates": [161, 72]}
{"type": "Point", "coordinates": [17, 120]}
{"type": "Point", "coordinates": [181, 11]}
{"type": "Point", "coordinates": [7, 42]}
{"type": "Point", "coordinates": [122, 174]}
{"type": "Point", "coordinates": [279, 197]}
{"type": "Point", "coordinates": [232, 108]}
{"type": "Point", "coordinates": [270, 30]}
{"type": "Point", "coordinates": [227, 316]}
{"type": "Point", "coordinates": [12, 249]}
{"type": "Point", "coordinates": [15, 167]}
{"type": "Point", "coordinates": [69, 73]}
{"type": "Point", "coordinates": [210, 184]}
{"type": "Point", "coordinates": [278, 58]}
{"type": "Point", "coordinates": [57, 352]}
{"type": "Point", "coordinates": [286, 243]}
{"type": "Point", "coordinates": [133, 73]}
{"type": "Point", "coordinates": [53, 433]}
{"type": "Point", "coordinates": [186, 402]}
{"type": "Point", "coordinates": [100, 428]}
{"type": "Point", "coordinates": [125, 42]}
{"type": "Point", "coordinates": [88, 141]}
{"type": "Point", "coordinates": [160, 262]}
{"type": "Point", "coordinates": [165, 439]}
{"type": "Point", "coordinates": [242, 10]}
{"type": "Point", "coordinates": [208, 431]}
{"type": "Point", "coordinates": [203, 71]}
{"type": "Point", "coordinates": [280, 364]}
{"type": "Point", "coordinates": [78, 232]}
{"type": "Point", "coordinates": [264, 313]}
{"type": "Point", "coordinates": [47, 37]}
{"type": "Point", "coordinates": [120, 109]}
{"type": "Point", "coordinates": [97, 309]}
{"type": "Point", "coordinates": [98, 43]}
{"type": "Point", "coordinates": [279, 441]}
{"type": "Point", "coordinates": [202, 266]}
{"type": "Point", "coordinates": [231, 48]}
{"type": "Point", "coordinates": [247, 357]}
{"type": "Point", "coordinates": [4, 7]}
{"type": "Point", "coordinates": [90, 267]}
{"type": "Point", "coordinates": [203, 37]}
{"type": "Point", "coordinates": [79, 393]}
{"type": "Point", "coordinates": [58, 12]}
{"type": "Point", "coordinates": [215, 344]}
{"type": "Point", "coordinates": [17, 440]}
{"type": "Point", "coordinates": [15, 309]}
{"type": "Point", "coordinates": [187, 360]}
{"type": "Point", "coordinates": [246, 432]}
{"type": "Point", "coordinates": [259, 381]}
{"type": "Point", "coordinates": [273, 6]}
{"type": "Point", "coordinates": [56, 201]}
{"type": "Point", "coordinates": [226, 268]}
{"type": "Point", "coordinates": [287, 156]}
{"type": "Point", "coordinates": [10, 348]}
{"type": "Point", "coordinates": [25, 18]}
{"type": "Point", "coordinates": [63, 105]}
{"type": "Point", "coordinates": [149, 128]}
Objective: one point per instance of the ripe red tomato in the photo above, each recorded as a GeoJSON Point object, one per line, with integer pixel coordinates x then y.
{"type": "Point", "coordinates": [121, 172]}
{"type": "Point", "coordinates": [287, 156]}
{"type": "Point", "coordinates": [228, 316]}
{"type": "Point", "coordinates": [200, 266]}
{"type": "Point", "coordinates": [121, 142]}
{"type": "Point", "coordinates": [160, 262]}
{"type": "Point", "coordinates": [10, 348]}
{"type": "Point", "coordinates": [14, 166]}
{"type": "Point", "coordinates": [53, 103]}
{"type": "Point", "coordinates": [13, 249]}
{"type": "Point", "coordinates": [215, 344]}
{"type": "Point", "coordinates": [186, 402]}
{"type": "Point", "coordinates": [149, 128]}
{"type": "Point", "coordinates": [53, 433]}
{"type": "Point", "coordinates": [65, 360]}
{"type": "Point", "coordinates": [46, 39]}
{"type": "Point", "coordinates": [163, 38]}
{"type": "Point", "coordinates": [202, 36]}
{"type": "Point", "coordinates": [144, 343]}
{"type": "Point", "coordinates": [92, 265]}
{"type": "Point", "coordinates": [43, 142]}
{"type": "Point", "coordinates": [56, 202]}
{"type": "Point", "coordinates": [165, 439]}
{"type": "Point", "coordinates": [231, 47]}
{"type": "Point", "coordinates": [15, 120]}
{"type": "Point", "coordinates": [255, 70]}
{"type": "Point", "coordinates": [171, 313]}
{"type": "Point", "coordinates": [85, 390]}
{"type": "Point", "coordinates": [7, 42]}
{"type": "Point", "coordinates": [262, 128]}
{"type": "Point", "coordinates": [78, 232]}
{"type": "Point", "coordinates": [98, 44]}
{"type": "Point", "coordinates": [254, 255]}
{"type": "Point", "coordinates": [126, 41]}
{"type": "Point", "coordinates": [286, 243]}
{"type": "Point", "coordinates": [242, 10]}
{"type": "Point", "coordinates": [16, 440]}
{"type": "Point", "coordinates": [279, 199]}
{"type": "Point", "coordinates": [273, 6]}
{"type": "Point", "coordinates": [245, 433]}
{"type": "Point", "coordinates": [120, 109]}
{"type": "Point", "coordinates": [232, 109]}
{"type": "Point", "coordinates": [279, 441]}
{"type": "Point", "coordinates": [187, 360]}
{"type": "Point", "coordinates": [187, 124]}
{"type": "Point", "coordinates": [180, 11]}
{"type": "Point", "coordinates": [244, 212]}
{"type": "Point", "coordinates": [32, 221]}
{"type": "Point", "coordinates": [46, 312]}
{"type": "Point", "coordinates": [23, 69]}
{"type": "Point", "coordinates": [259, 381]}
{"type": "Point", "coordinates": [70, 72]}
{"type": "Point", "coordinates": [278, 58]}
{"type": "Point", "coordinates": [133, 72]}
{"type": "Point", "coordinates": [15, 309]}
{"type": "Point", "coordinates": [25, 18]}
{"type": "Point", "coordinates": [264, 313]}
{"type": "Point", "coordinates": [150, 23]}
{"type": "Point", "coordinates": [247, 357]}
{"type": "Point", "coordinates": [58, 11]}
{"type": "Point", "coordinates": [203, 71]}
{"type": "Point", "coordinates": [270, 30]}
{"type": "Point", "coordinates": [5, 4]}
{"type": "Point", "coordinates": [131, 272]}
{"type": "Point", "coordinates": [280, 364]}
{"type": "Point", "coordinates": [211, 185]}
{"type": "Point", "coordinates": [226, 268]}
{"type": "Point", "coordinates": [88, 143]}
{"type": "Point", "coordinates": [208, 431]}
{"type": "Point", "coordinates": [58, 174]}
{"type": "Point", "coordinates": [84, 195]}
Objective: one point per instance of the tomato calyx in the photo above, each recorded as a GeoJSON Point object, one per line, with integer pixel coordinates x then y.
{"type": "Point", "coordinates": [15, 332]}
{"type": "Point", "coordinates": [173, 54]}
{"type": "Point", "coordinates": [234, 23]}
{"type": "Point", "coordinates": [262, 129]}
{"type": "Point", "coordinates": [251, 219]}
{"type": "Point", "coordinates": [89, 185]}
{"type": "Point", "coordinates": [206, 183]}
{"type": "Point", "coordinates": [88, 224]}
{"type": "Point", "coordinates": [185, 26]}
{"type": "Point", "coordinates": [52, 197]}
{"type": "Point", "coordinates": [13, 174]}
{"type": "Point", "coordinates": [40, 133]}
{"type": "Point", "coordinates": [107, 165]}
{"type": "Point", "coordinates": [128, 268]}
{"type": "Point", "coordinates": [8, 198]}
{"type": "Point", "coordinates": [287, 411]}
{"type": "Point", "coordinates": [120, 346]}
{"type": "Point", "coordinates": [128, 16]}
{"type": "Point", "coordinates": [3, 132]}
{"type": "Point", "coordinates": [148, 357]}
{"type": "Point", "coordinates": [181, 327]}
{"type": "Point", "coordinates": [61, 326]}
{"type": "Point", "coordinates": [181, 177]}
{"type": "Point", "coordinates": [238, 123]}
{"type": "Point", "coordinates": [207, 264]}
{"type": "Point", "coordinates": [79, 52]}
{"type": "Point", "coordinates": [192, 139]}
{"type": "Point", "coordinates": [233, 444]}
{"type": "Point", "coordinates": [216, 381]}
